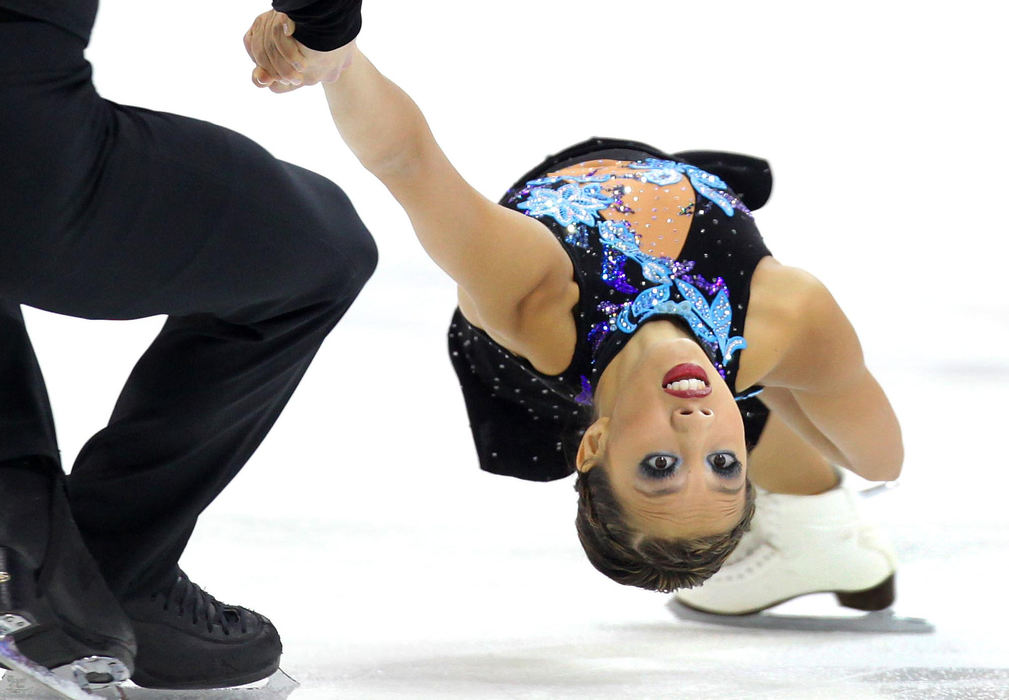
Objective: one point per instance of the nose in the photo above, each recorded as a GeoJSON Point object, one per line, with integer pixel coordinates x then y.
{"type": "Point", "coordinates": [684, 419]}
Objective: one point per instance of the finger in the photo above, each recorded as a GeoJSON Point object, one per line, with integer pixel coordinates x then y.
{"type": "Point", "coordinates": [261, 43]}
{"type": "Point", "coordinates": [249, 37]}
{"type": "Point", "coordinates": [280, 88]}
{"type": "Point", "coordinates": [290, 49]}
{"type": "Point", "coordinates": [254, 39]}
{"type": "Point", "coordinates": [261, 78]}
{"type": "Point", "coordinates": [283, 51]}
{"type": "Point", "coordinates": [283, 66]}
{"type": "Point", "coordinates": [268, 55]}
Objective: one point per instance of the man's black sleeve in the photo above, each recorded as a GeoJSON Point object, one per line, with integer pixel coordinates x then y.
{"type": "Point", "coordinates": [323, 25]}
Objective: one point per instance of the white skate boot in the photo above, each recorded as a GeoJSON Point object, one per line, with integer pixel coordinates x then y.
{"type": "Point", "coordinates": [799, 545]}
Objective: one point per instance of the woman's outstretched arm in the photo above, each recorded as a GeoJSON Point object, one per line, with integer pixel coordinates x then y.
{"type": "Point", "coordinates": [509, 265]}
{"type": "Point", "coordinates": [498, 256]}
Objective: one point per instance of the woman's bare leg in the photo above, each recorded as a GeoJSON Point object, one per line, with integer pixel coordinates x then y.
{"type": "Point", "coordinates": [782, 462]}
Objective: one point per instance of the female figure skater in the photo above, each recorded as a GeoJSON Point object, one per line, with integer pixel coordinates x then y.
{"type": "Point", "coordinates": [618, 313]}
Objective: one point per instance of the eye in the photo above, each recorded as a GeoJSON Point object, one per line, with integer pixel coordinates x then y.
{"type": "Point", "coordinates": [658, 466]}
{"type": "Point", "coordinates": [725, 464]}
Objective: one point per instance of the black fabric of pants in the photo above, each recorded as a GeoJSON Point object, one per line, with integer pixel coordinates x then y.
{"type": "Point", "coordinates": [116, 212]}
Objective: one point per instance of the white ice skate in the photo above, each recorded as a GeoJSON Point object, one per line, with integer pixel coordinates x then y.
{"type": "Point", "coordinates": [800, 545]}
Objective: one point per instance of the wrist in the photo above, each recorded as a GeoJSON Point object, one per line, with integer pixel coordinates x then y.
{"type": "Point", "coordinates": [332, 64]}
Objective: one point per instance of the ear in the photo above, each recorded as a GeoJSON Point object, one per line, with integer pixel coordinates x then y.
{"type": "Point", "coordinates": [593, 445]}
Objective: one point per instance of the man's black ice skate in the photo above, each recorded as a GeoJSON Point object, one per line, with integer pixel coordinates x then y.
{"type": "Point", "coordinates": [187, 639]}
{"type": "Point", "coordinates": [55, 608]}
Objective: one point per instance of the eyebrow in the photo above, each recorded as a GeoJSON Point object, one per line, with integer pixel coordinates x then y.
{"type": "Point", "coordinates": [676, 489]}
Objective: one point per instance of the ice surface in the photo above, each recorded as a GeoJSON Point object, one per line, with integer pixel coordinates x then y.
{"type": "Point", "coordinates": [391, 566]}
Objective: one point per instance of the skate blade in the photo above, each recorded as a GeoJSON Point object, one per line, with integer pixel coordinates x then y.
{"type": "Point", "coordinates": [18, 684]}
{"type": "Point", "coordinates": [279, 686]}
{"type": "Point", "coordinates": [885, 487]}
{"type": "Point", "coordinates": [878, 622]}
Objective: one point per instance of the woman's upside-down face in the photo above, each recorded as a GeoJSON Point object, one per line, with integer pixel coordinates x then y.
{"type": "Point", "coordinates": [671, 440]}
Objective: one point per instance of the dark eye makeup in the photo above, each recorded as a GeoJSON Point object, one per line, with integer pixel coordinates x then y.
{"type": "Point", "coordinates": [661, 465]}
{"type": "Point", "coordinates": [658, 466]}
{"type": "Point", "coordinates": [725, 464]}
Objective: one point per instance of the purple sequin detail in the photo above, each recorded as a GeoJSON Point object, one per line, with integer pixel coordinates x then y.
{"type": "Point", "coordinates": [718, 365]}
{"type": "Point", "coordinates": [617, 193]}
{"type": "Point", "coordinates": [614, 274]}
{"type": "Point", "coordinates": [611, 309]}
{"type": "Point", "coordinates": [737, 203]}
{"type": "Point", "coordinates": [515, 195]}
{"type": "Point", "coordinates": [678, 268]}
{"type": "Point", "coordinates": [585, 398]}
{"type": "Point", "coordinates": [598, 334]}
{"type": "Point", "coordinates": [710, 288]}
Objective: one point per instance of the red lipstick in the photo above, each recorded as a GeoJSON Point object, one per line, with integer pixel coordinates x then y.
{"type": "Point", "coordinates": [684, 373]}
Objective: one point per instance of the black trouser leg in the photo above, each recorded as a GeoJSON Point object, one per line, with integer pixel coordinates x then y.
{"type": "Point", "coordinates": [118, 212]}
{"type": "Point", "coordinates": [26, 421]}
{"type": "Point", "coordinates": [197, 405]}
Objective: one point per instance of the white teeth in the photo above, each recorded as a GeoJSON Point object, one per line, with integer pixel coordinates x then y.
{"type": "Point", "coordinates": [686, 385]}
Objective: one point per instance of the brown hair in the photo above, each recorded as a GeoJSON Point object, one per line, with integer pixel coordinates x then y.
{"type": "Point", "coordinates": [633, 559]}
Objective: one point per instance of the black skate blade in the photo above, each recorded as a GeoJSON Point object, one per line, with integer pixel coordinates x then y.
{"type": "Point", "coordinates": [879, 622]}
{"type": "Point", "coordinates": [279, 686]}
{"type": "Point", "coordinates": [14, 686]}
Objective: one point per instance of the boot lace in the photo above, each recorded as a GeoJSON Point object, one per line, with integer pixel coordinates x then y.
{"type": "Point", "coordinates": [189, 600]}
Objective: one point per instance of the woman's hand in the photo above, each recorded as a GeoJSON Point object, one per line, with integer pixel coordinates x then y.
{"type": "Point", "coordinates": [284, 64]}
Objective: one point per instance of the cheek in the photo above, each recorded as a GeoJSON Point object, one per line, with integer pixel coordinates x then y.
{"type": "Point", "coordinates": [637, 428]}
{"type": "Point", "coordinates": [638, 416]}
{"type": "Point", "coordinates": [732, 430]}
{"type": "Point", "coordinates": [725, 404]}
{"type": "Point", "coordinates": [729, 430]}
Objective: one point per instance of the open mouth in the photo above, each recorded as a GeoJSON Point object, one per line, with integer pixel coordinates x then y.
{"type": "Point", "coordinates": [686, 381]}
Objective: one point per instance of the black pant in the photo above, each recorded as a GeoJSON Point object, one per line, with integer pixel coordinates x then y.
{"type": "Point", "coordinates": [117, 212]}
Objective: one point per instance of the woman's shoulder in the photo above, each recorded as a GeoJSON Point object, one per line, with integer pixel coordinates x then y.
{"type": "Point", "coordinates": [783, 289]}
{"type": "Point", "coordinates": [785, 302]}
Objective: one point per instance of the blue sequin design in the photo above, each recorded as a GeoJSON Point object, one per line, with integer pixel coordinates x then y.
{"type": "Point", "coordinates": [658, 172]}
{"type": "Point", "coordinates": [554, 179]}
{"type": "Point", "coordinates": [669, 172]}
{"type": "Point", "coordinates": [568, 204]}
{"type": "Point", "coordinates": [620, 236]}
{"type": "Point", "coordinates": [576, 205]}
{"type": "Point", "coordinates": [654, 170]}
{"type": "Point", "coordinates": [710, 321]}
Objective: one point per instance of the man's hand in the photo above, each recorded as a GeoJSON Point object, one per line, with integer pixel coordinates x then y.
{"type": "Point", "coordinates": [282, 63]}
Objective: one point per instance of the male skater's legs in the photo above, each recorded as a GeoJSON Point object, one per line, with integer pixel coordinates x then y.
{"type": "Point", "coordinates": [118, 212]}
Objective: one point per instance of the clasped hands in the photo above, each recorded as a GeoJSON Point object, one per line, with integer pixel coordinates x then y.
{"type": "Point", "coordinates": [284, 64]}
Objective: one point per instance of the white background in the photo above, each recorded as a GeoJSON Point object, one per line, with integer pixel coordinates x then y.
{"type": "Point", "coordinates": [363, 527]}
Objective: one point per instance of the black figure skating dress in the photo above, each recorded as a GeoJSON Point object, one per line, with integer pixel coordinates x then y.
{"type": "Point", "coordinates": [618, 208]}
